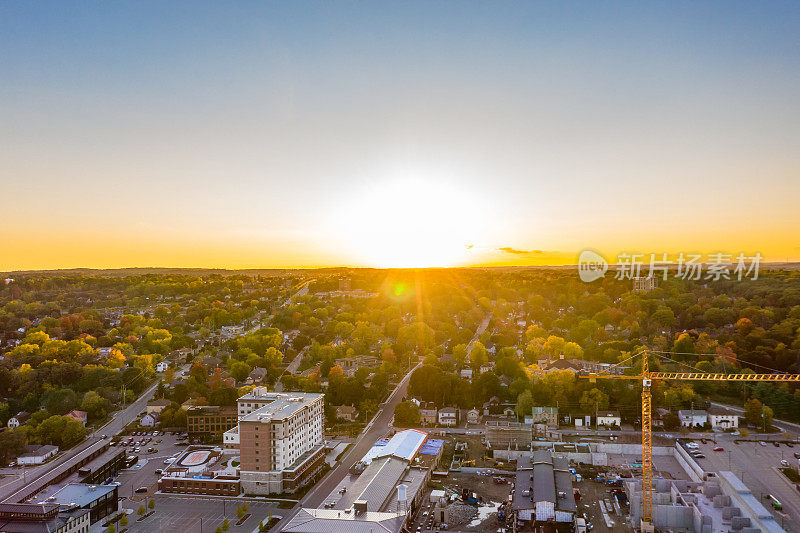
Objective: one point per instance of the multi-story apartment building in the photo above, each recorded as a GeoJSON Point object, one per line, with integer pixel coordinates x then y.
{"type": "Point", "coordinates": [254, 400]}
{"type": "Point", "coordinates": [281, 441]}
{"type": "Point", "coordinates": [210, 419]}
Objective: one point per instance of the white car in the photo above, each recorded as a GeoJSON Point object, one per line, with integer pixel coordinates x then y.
{"type": "Point", "coordinates": [763, 443]}
{"type": "Point", "coordinates": [784, 462]}
{"type": "Point", "coordinates": [692, 445]}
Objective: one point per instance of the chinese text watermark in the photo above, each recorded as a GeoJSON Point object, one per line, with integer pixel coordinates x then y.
{"type": "Point", "coordinates": [694, 267]}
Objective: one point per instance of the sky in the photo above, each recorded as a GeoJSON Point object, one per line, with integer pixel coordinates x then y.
{"type": "Point", "coordinates": [297, 134]}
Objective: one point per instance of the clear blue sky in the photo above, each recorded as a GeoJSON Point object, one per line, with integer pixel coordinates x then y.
{"type": "Point", "coordinates": [271, 134]}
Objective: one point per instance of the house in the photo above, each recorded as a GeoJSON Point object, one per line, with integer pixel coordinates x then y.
{"type": "Point", "coordinates": [545, 415]}
{"type": "Point", "coordinates": [232, 331]}
{"type": "Point", "coordinates": [350, 365]}
{"type": "Point", "coordinates": [466, 373]}
{"type": "Point", "coordinates": [37, 454]}
{"type": "Point", "coordinates": [256, 376]}
{"type": "Point", "coordinates": [722, 419]}
{"type": "Point", "coordinates": [162, 366]}
{"type": "Point", "coordinates": [428, 414]}
{"type": "Point", "coordinates": [492, 406]}
{"type": "Point", "coordinates": [150, 419]}
{"type": "Point", "coordinates": [80, 416]}
{"type": "Point", "coordinates": [18, 419]}
{"type": "Point", "coordinates": [346, 412]}
{"type": "Point", "coordinates": [692, 417]}
{"type": "Point", "coordinates": [609, 418]}
{"type": "Point", "coordinates": [104, 351]}
{"type": "Point", "coordinates": [156, 406]}
{"type": "Point", "coordinates": [473, 416]}
{"type": "Point", "coordinates": [448, 416]}
{"type": "Point", "coordinates": [486, 367]}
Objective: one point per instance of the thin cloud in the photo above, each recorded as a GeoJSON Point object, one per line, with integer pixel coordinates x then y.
{"type": "Point", "coordinates": [515, 251]}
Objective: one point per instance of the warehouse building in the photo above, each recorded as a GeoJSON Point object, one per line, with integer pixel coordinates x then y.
{"type": "Point", "coordinates": [380, 496]}
{"type": "Point", "coordinates": [543, 491]}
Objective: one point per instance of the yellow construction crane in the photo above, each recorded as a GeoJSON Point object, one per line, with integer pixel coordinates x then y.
{"type": "Point", "coordinates": [647, 378]}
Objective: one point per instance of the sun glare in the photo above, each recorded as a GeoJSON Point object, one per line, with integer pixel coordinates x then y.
{"type": "Point", "coordinates": [412, 224]}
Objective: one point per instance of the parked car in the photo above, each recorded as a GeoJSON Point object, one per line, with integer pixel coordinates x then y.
{"type": "Point", "coordinates": [719, 449]}
{"type": "Point", "coordinates": [777, 445]}
{"type": "Point", "coordinates": [141, 490]}
{"type": "Point", "coordinates": [797, 455]}
{"type": "Point", "coordinates": [763, 443]}
{"type": "Point", "coordinates": [784, 462]}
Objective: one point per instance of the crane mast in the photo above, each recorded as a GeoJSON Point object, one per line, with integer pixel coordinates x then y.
{"type": "Point", "coordinates": [646, 378]}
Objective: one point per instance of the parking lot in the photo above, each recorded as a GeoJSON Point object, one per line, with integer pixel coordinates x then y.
{"type": "Point", "coordinates": [143, 473]}
{"type": "Point", "coordinates": [757, 466]}
{"type": "Point", "coordinates": [189, 514]}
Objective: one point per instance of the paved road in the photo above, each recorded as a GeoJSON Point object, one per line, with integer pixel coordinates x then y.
{"type": "Point", "coordinates": [12, 490]}
{"type": "Point", "coordinates": [481, 328]}
{"type": "Point", "coordinates": [377, 428]}
{"type": "Point", "coordinates": [295, 364]}
{"type": "Point", "coordinates": [786, 426]}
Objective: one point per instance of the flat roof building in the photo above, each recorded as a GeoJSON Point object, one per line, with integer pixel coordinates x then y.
{"type": "Point", "coordinates": [42, 518]}
{"type": "Point", "coordinates": [210, 419]}
{"type": "Point", "coordinates": [99, 500]}
{"type": "Point", "coordinates": [281, 442]}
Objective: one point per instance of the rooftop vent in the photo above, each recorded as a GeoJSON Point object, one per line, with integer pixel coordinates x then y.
{"type": "Point", "coordinates": [360, 507]}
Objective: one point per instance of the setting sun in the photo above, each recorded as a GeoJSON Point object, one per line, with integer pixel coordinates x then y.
{"type": "Point", "coordinates": [412, 223]}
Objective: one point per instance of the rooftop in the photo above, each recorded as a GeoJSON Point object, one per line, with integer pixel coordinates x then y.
{"type": "Point", "coordinates": [281, 404]}
{"type": "Point", "coordinates": [337, 521]}
{"type": "Point", "coordinates": [41, 526]}
{"type": "Point", "coordinates": [81, 493]}
{"type": "Point", "coordinates": [403, 445]}
{"type": "Point", "coordinates": [162, 402]}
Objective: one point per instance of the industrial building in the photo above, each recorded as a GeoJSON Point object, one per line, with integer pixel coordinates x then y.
{"type": "Point", "coordinates": [42, 518]}
{"type": "Point", "coordinates": [543, 491]}
{"type": "Point", "coordinates": [99, 500]}
{"type": "Point", "coordinates": [382, 494]}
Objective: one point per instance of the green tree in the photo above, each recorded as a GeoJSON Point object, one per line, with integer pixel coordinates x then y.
{"type": "Point", "coordinates": [752, 412]}
{"type": "Point", "coordinates": [151, 504]}
{"type": "Point", "coordinates": [767, 414]}
{"type": "Point", "coordinates": [225, 525]}
{"type": "Point", "coordinates": [478, 355]}
{"type": "Point", "coordinates": [406, 414]}
{"type": "Point", "coordinates": [239, 512]}
{"type": "Point", "coordinates": [94, 405]}
{"type": "Point", "coordinates": [111, 528]}
{"type": "Point", "coordinates": [124, 520]}
{"type": "Point", "coordinates": [240, 371]}
{"type": "Point", "coordinates": [12, 443]}
{"type": "Point", "coordinates": [594, 400]}
{"type": "Point", "coordinates": [524, 404]}
{"type": "Point", "coordinates": [141, 511]}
